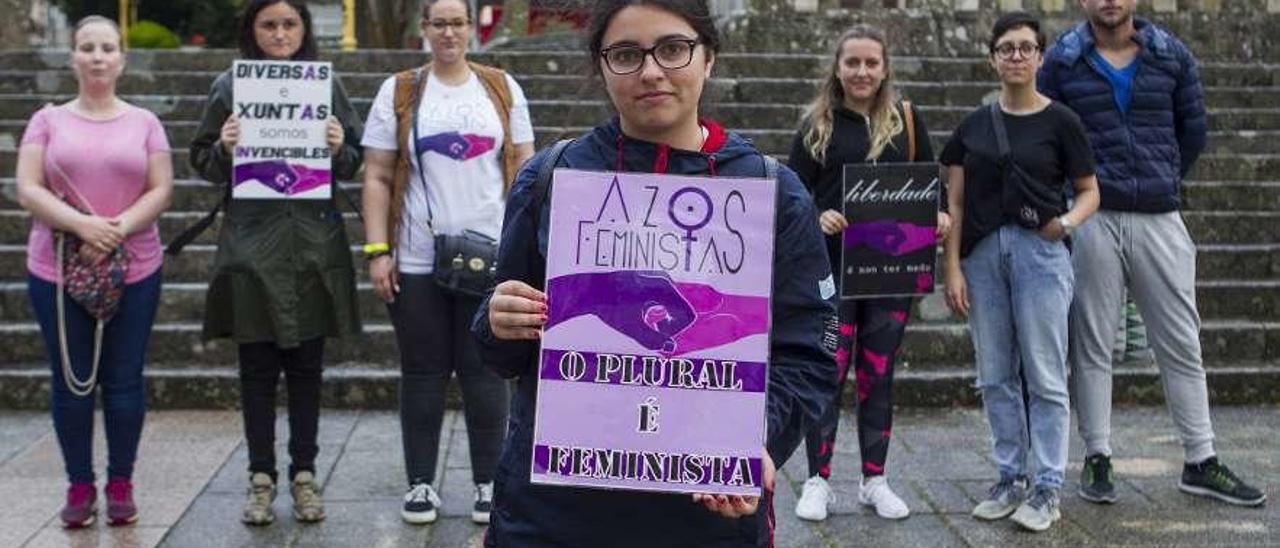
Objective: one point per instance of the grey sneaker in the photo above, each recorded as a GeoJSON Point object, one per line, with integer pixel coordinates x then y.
{"type": "Point", "coordinates": [1002, 499]}
{"type": "Point", "coordinates": [308, 507]}
{"type": "Point", "coordinates": [262, 492]}
{"type": "Point", "coordinates": [1040, 511]}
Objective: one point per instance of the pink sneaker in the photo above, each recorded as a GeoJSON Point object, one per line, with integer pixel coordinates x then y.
{"type": "Point", "coordinates": [81, 508]}
{"type": "Point", "coordinates": [120, 507]}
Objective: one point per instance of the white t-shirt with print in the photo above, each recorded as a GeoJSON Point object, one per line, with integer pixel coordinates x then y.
{"type": "Point", "coordinates": [459, 145]}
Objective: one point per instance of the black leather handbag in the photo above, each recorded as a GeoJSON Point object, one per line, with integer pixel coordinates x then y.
{"type": "Point", "coordinates": [465, 263]}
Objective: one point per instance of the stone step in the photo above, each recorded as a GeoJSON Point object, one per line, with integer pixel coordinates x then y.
{"type": "Point", "coordinates": [797, 90]}
{"type": "Point", "coordinates": [772, 141]}
{"type": "Point", "coordinates": [574, 63]}
{"type": "Point", "coordinates": [194, 195]}
{"type": "Point", "coordinates": [1210, 167]}
{"type": "Point", "coordinates": [586, 113]}
{"type": "Point", "coordinates": [1206, 227]}
{"type": "Point", "coordinates": [184, 302]}
{"type": "Point", "coordinates": [926, 346]}
{"type": "Point", "coordinates": [358, 386]}
{"type": "Point", "coordinates": [1213, 262]}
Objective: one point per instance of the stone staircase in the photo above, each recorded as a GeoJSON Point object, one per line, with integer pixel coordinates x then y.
{"type": "Point", "coordinates": [1232, 209]}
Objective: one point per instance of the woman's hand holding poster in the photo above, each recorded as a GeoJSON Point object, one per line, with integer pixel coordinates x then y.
{"type": "Point", "coordinates": [654, 359]}
{"type": "Point", "coordinates": [282, 107]}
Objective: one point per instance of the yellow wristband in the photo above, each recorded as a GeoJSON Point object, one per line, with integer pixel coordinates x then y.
{"type": "Point", "coordinates": [378, 247]}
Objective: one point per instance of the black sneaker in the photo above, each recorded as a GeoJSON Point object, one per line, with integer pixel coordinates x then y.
{"type": "Point", "coordinates": [1213, 479]}
{"type": "Point", "coordinates": [484, 503]}
{"type": "Point", "coordinates": [420, 503]}
{"type": "Point", "coordinates": [1097, 482]}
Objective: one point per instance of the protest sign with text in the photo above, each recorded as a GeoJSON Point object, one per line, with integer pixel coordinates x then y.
{"type": "Point", "coordinates": [283, 107]}
{"type": "Point", "coordinates": [890, 247]}
{"type": "Point", "coordinates": [654, 359]}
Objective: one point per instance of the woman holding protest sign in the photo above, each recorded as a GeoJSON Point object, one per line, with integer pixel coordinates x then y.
{"type": "Point", "coordinates": [283, 276]}
{"type": "Point", "coordinates": [1009, 268]}
{"type": "Point", "coordinates": [654, 57]}
{"type": "Point", "coordinates": [95, 173]}
{"type": "Point", "coordinates": [433, 217]}
{"type": "Point", "coordinates": [857, 118]}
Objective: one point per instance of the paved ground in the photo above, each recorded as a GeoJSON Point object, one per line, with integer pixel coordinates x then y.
{"type": "Point", "coordinates": [191, 477]}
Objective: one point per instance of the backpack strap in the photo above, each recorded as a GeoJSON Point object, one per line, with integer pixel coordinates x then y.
{"type": "Point", "coordinates": [909, 118]}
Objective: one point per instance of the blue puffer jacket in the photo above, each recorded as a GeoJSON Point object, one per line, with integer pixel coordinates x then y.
{"type": "Point", "coordinates": [802, 369]}
{"type": "Point", "coordinates": [1142, 155]}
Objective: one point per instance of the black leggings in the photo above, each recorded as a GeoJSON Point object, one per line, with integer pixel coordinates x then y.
{"type": "Point", "coordinates": [260, 367]}
{"type": "Point", "coordinates": [433, 331]}
{"type": "Point", "coordinates": [870, 336]}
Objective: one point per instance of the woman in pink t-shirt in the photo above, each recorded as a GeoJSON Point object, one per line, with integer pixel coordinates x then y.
{"type": "Point", "coordinates": [110, 160]}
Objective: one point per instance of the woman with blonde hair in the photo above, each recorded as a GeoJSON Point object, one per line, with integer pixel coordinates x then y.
{"type": "Point", "coordinates": [857, 117]}
{"type": "Point", "coordinates": [95, 173]}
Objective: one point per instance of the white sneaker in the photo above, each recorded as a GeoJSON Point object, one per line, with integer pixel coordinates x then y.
{"type": "Point", "coordinates": [484, 503]}
{"type": "Point", "coordinates": [814, 499]}
{"type": "Point", "coordinates": [876, 492]}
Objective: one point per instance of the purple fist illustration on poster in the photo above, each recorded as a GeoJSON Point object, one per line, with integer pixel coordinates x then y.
{"type": "Point", "coordinates": [655, 353]}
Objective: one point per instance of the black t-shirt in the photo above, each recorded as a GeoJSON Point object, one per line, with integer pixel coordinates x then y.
{"type": "Point", "coordinates": [1050, 145]}
{"type": "Point", "coordinates": [849, 144]}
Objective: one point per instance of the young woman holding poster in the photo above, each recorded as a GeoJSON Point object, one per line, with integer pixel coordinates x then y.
{"type": "Point", "coordinates": [470, 131]}
{"type": "Point", "coordinates": [95, 173]}
{"type": "Point", "coordinates": [654, 57]}
{"type": "Point", "coordinates": [283, 276]}
{"type": "Point", "coordinates": [1009, 268]}
{"type": "Point", "coordinates": [857, 118]}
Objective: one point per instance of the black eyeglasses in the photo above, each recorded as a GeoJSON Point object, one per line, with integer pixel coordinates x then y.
{"type": "Point", "coordinates": [671, 54]}
{"type": "Point", "coordinates": [1006, 50]}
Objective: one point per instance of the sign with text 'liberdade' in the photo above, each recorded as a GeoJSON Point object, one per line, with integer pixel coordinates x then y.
{"type": "Point", "coordinates": [283, 107]}
{"type": "Point", "coordinates": [890, 246]}
{"type": "Point", "coordinates": [654, 358]}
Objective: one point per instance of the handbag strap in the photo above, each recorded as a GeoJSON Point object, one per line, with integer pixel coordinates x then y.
{"type": "Point", "coordinates": [76, 386]}
{"type": "Point", "coordinates": [1002, 136]}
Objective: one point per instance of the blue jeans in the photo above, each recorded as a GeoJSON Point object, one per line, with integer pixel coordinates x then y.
{"type": "Point", "coordinates": [124, 351]}
{"type": "Point", "coordinates": [1020, 289]}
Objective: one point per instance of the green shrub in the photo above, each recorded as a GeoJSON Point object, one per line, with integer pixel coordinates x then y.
{"type": "Point", "coordinates": [152, 35]}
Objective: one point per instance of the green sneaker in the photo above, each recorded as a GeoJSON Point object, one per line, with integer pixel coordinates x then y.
{"type": "Point", "coordinates": [1214, 480]}
{"type": "Point", "coordinates": [1097, 481]}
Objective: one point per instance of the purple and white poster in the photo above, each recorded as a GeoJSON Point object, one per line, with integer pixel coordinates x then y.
{"type": "Point", "coordinates": [654, 361]}
{"type": "Point", "coordinates": [283, 107]}
{"type": "Point", "coordinates": [890, 247]}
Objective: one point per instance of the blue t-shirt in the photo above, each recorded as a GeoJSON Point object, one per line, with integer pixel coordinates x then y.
{"type": "Point", "coordinates": [1121, 79]}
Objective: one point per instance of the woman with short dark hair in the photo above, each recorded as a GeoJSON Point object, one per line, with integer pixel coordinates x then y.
{"type": "Point", "coordinates": [1009, 268]}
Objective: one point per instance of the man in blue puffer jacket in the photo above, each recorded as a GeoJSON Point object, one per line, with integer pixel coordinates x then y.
{"type": "Point", "coordinates": [1137, 89]}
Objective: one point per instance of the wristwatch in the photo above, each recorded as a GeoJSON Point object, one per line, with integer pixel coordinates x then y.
{"type": "Point", "coordinates": [1067, 226]}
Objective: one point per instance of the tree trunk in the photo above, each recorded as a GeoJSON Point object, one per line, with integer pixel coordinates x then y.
{"type": "Point", "coordinates": [387, 23]}
{"type": "Point", "coordinates": [14, 28]}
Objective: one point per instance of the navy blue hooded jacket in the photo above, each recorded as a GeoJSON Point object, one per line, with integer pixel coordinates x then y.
{"type": "Point", "coordinates": [1143, 155]}
{"type": "Point", "coordinates": [802, 369]}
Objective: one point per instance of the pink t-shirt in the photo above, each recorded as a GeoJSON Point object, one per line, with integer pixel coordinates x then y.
{"type": "Point", "coordinates": [106, 162]}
